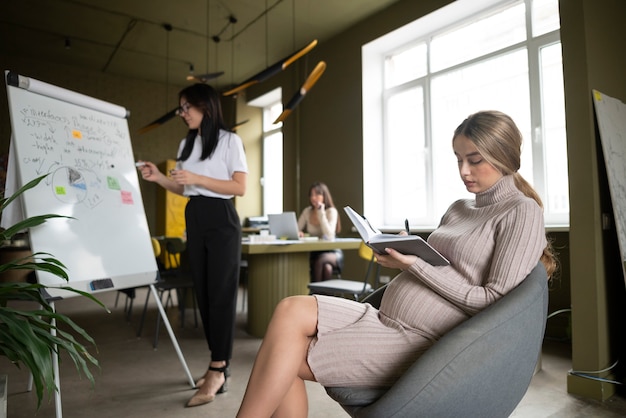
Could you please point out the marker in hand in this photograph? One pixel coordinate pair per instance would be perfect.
(139, 164)
(406, 226)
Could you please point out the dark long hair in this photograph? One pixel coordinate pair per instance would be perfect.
(204, 98)
(321, 188)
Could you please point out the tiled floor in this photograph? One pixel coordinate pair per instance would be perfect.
(136, 380)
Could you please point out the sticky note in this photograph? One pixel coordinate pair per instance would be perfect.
(127, 198)
(598, 95)
(113, 183)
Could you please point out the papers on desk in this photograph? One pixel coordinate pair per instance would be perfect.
(271, 240)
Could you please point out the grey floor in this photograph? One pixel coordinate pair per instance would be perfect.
(135, 380)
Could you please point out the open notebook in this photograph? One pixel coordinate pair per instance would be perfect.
(406, 244)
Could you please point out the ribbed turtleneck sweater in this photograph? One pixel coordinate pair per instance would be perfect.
(492, 242)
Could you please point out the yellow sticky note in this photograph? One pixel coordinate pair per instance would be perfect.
(77, 134)
(597, 95)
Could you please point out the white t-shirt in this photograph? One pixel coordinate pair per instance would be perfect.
(228, 157)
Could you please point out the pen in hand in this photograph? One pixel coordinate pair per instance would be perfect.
(406, 226)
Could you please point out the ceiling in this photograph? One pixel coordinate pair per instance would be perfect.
(129, 38)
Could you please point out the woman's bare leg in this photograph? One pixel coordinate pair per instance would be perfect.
(323, 266)
(277, 380)
(295, 404)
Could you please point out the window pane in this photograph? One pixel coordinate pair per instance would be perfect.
(554, 138)
(479, 66)
(273, 173)
(269, 116)
(502, 29)
(497, 84)
(404, 66)
(545, 16)
(404, 158)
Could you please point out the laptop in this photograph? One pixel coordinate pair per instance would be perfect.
(284, 225)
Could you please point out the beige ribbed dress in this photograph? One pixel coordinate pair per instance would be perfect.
(493, 242)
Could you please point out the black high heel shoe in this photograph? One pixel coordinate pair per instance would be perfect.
(200, 398)
(201, 381)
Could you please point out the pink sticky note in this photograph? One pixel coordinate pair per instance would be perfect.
(127, 198)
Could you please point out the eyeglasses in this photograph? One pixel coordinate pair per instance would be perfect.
(184, 108)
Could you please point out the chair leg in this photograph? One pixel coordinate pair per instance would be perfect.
(143, 315)
(129, 307)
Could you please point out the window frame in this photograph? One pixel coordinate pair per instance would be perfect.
(376, 96)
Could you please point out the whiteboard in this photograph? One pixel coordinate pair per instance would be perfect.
(84, 146)
(611, 117)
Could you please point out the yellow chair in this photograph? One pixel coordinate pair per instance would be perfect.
(156, 247)
(355, 288)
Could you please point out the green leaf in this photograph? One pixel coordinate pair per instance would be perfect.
(27, 186)
(30, 338)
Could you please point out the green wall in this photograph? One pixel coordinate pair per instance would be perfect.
(323, 141)
(593, 36)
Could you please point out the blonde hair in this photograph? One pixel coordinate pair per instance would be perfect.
(499, 141)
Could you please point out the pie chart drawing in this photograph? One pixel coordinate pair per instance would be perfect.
(71, 185)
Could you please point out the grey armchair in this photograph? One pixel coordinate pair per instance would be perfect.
(482, 368)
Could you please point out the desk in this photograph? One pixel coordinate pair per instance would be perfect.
(276, 271)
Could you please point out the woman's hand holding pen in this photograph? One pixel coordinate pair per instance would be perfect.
(148, 170)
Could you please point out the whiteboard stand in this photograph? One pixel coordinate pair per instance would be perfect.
(84, 145)
(172, 336)
(55, 360)
(55, 367)
(55, 357)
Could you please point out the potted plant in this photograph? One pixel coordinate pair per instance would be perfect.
(30, 338)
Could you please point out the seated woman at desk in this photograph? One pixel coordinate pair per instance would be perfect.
(321, 219)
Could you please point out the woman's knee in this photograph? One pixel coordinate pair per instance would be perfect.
(294, 304)
(298, 308)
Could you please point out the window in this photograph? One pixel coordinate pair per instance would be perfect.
(272, 178)
(422, 80)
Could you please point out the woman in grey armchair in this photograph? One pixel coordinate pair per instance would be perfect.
(492, 241)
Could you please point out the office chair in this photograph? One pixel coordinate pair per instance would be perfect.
(172, 278)
(481, 368)
(351, 287)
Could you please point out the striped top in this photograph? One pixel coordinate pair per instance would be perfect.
(493, 242)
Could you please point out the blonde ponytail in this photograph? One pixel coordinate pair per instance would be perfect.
(548, 258)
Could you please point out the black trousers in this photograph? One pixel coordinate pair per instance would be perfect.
(214, 248)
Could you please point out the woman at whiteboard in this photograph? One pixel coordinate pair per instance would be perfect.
(211, 169)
